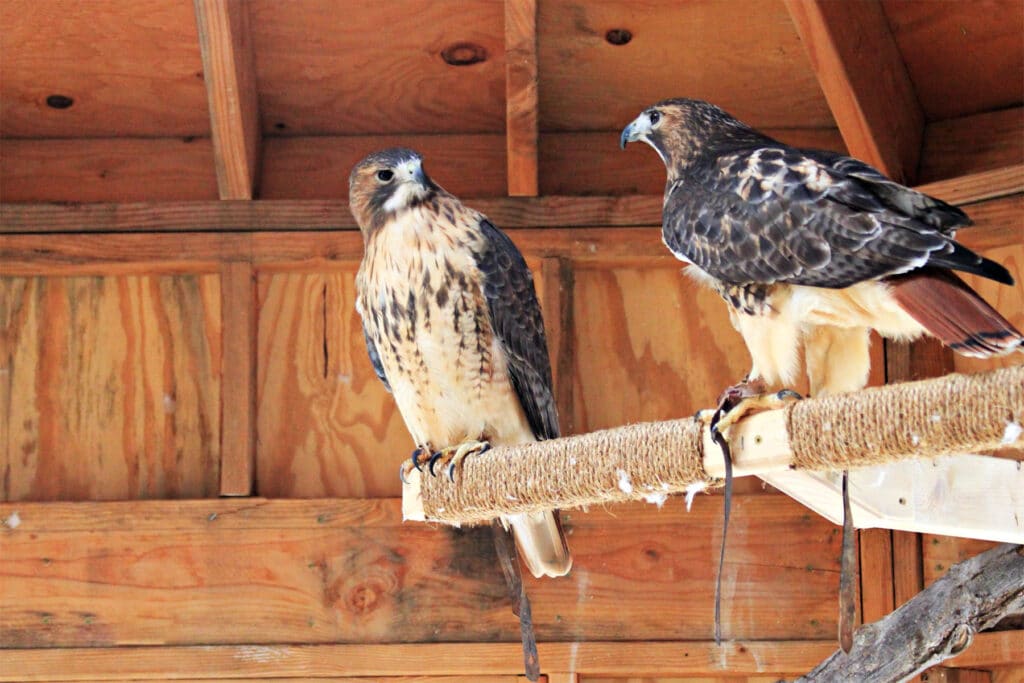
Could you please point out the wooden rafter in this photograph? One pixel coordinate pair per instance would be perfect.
(865, 81)
(521, 96)
(998, 194)
(225, 43)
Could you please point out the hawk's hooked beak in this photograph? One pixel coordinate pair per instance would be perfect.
(637, 130)
(412, 170)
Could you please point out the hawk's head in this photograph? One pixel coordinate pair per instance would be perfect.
(680, 130)
(386, 183)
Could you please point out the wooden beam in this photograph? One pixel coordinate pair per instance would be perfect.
(107, 170)
(994, 197)
(865, 81)
(226, 47)
(244, 570)
(441, 659)
(977, 187)
(469, 165)
(238, 381)
(927, 496)
(972, 144)
(592, 658)
(521, 104)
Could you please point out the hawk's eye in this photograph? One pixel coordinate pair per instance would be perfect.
(385, 176)
(654, 117)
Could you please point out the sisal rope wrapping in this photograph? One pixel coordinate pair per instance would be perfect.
(943, 416)
(646, 460)
(949, 415)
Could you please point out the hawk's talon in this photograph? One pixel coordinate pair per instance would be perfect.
(433, 460)
(414, 462)
(788, 395)
(452, 456)
(416, 454)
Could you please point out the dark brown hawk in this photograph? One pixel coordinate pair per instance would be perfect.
(814, 249)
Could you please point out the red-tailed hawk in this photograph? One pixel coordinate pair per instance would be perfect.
(453, 328)
(813, 249)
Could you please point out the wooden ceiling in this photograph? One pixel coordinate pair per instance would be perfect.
(111, 101)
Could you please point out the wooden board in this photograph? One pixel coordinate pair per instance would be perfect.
(107, 170)
(864, 80)
(964, 58)
(521, 106)
(592, 163)
(587, 83)
(226, 46)
(131, 67)
(997, 213)
(326, 425)
(318, 167)
(1007, 299)
(971, 144)
(384, 72)
(665, 658)
(265, 572)
(111, 387)
(939, 553)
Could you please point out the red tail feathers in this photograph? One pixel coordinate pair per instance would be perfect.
(954, 313)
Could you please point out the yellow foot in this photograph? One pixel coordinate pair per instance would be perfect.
(420, 457)
(742, 400)
(452, 456)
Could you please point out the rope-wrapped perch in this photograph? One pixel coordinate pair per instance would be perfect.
(944, 416)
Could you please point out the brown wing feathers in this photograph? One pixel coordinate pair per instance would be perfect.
(953, 312)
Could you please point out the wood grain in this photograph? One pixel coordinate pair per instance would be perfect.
(318, 167)
(384, 73)
(939, 553)
(326, 425)
(1007, 299)
(112, 387)
(131, 67)
(521, 105)
(590, 162)
(226, 47)
(325, 578)
(107, 170)
(865, 81)
(971, 144)
(666, 658)
(875, 574)
(759, 73)
(238, 380)
(981, 47)
(556, 289)
(650, 345)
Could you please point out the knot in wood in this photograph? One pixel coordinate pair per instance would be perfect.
(464, 54)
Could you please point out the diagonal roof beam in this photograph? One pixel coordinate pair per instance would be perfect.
(865, 81)
(521, 112)
(226, 47)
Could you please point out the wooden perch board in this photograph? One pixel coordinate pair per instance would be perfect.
(914, 420)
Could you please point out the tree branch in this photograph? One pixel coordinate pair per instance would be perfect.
(937, 624)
